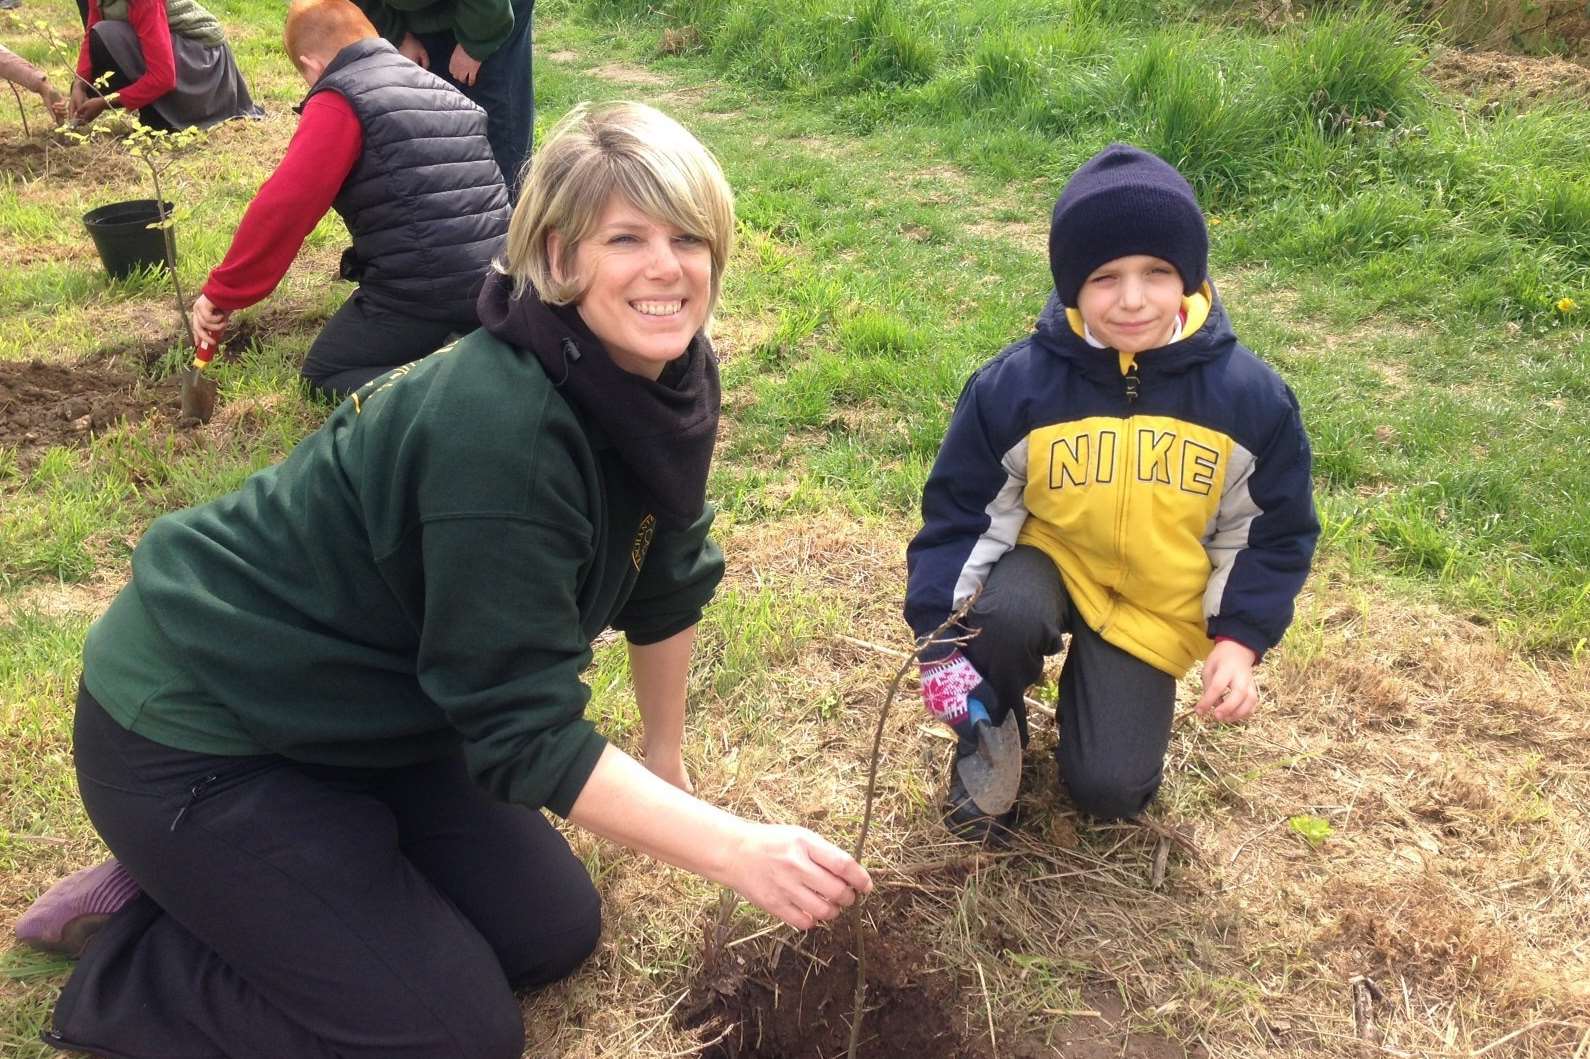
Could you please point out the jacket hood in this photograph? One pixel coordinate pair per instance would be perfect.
(664, 430)
(1214, 338)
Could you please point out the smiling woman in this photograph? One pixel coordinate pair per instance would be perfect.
(318, 728)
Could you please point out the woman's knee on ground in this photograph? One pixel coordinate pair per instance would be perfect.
(549, 952)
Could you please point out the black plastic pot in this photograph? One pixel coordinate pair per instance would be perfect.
(122, 235)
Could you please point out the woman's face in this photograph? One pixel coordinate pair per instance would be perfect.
(647, 286)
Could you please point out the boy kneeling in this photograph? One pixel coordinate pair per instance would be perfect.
(1129, 475)
(403, 157)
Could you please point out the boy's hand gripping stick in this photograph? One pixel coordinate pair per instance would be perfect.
(989, 756)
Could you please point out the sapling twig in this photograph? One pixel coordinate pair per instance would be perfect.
(936, 638)
(23, 112)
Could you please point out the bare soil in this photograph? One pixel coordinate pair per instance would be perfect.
(795, 1000)
(44, 405)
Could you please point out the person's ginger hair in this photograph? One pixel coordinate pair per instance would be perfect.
(322, 28)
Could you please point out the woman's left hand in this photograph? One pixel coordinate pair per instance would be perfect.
(89, 109)
(670, 765)
(463, 68)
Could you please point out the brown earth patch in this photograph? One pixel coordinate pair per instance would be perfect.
(45, 405)
(629, 74)
(795, 999)
(41, 157)
(1492, 75)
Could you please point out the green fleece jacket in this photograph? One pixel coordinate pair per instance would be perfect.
(480, 26)
(428, 569)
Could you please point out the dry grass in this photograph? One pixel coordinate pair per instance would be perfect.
(1453, 776)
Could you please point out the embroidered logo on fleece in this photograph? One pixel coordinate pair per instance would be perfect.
(643, 536)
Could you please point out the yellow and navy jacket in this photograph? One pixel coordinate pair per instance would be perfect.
(1172, 489)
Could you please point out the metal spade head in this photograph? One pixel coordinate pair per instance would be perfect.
(992, 774)
(198, 389)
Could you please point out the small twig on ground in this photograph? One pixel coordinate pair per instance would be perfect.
(1365, 993)
(988, 1006)
(933, 639)
(1156, 879)
(1170, 834)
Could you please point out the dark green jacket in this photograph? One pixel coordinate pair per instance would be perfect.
(479, 25)
(428, 568)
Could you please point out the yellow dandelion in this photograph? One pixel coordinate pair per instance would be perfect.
(1566, 305)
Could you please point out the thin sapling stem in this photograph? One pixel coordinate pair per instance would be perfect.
(933, 639)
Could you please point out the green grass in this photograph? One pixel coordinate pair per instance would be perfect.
(1408, 234)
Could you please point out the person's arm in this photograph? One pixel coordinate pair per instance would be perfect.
(148, 20)
(661, 674)
(973, 506)
(788, 871)
(288, 205)
(480, 27)
(1259, 552)
(85, 61)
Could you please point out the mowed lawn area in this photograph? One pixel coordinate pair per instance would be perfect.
(1401, 228)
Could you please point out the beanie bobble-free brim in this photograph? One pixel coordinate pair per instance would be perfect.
(1120, 202)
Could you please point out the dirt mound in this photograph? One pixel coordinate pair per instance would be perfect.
(43, 405)
(797, 1002)
(794, 1000)
(1490, 75)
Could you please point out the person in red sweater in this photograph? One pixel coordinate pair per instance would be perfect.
(167, 60)
(425, 205)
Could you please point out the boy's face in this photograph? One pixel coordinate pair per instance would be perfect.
(1131, 304)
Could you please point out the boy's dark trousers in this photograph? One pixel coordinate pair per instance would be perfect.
(304, 912)
(505, 89)
(363, 340)
(1115, 710)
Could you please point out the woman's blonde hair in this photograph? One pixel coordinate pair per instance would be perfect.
(593, 153)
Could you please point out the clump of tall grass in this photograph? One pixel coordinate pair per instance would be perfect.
(1196, 103)
(1344, 67)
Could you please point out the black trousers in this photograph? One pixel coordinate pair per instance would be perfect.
(363, 340)
(1115, 710)
(301, 911)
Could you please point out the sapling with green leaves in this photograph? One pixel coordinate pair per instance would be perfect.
(157, 150)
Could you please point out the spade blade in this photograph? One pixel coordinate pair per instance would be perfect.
(993, 774)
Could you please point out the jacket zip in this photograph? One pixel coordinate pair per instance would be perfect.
(1132, 382)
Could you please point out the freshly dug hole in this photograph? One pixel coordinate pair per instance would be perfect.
(796, 1003)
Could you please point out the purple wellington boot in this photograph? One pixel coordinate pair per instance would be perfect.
(73, 910)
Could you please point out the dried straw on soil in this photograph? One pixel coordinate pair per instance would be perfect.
(1452, 774)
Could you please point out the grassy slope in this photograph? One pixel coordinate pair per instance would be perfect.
(879, 262)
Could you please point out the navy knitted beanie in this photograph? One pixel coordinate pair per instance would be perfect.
(1125, 201)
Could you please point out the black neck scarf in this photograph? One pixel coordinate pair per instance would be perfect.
(664, 430)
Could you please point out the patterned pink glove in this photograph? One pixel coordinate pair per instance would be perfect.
(956, 693)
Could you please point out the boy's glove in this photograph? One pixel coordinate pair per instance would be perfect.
(956, 693)
(988, 755)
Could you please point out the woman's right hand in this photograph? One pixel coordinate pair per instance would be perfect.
(794, 874)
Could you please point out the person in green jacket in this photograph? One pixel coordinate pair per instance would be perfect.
(317, 728)
(483, 49)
